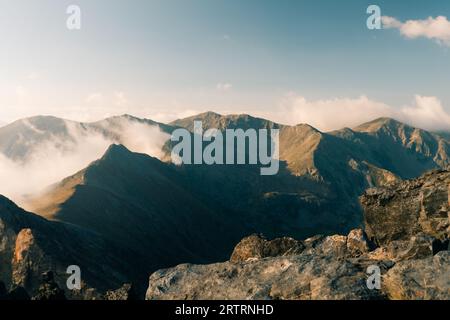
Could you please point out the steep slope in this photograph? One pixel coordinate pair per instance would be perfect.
(31, 245)
(404, 149)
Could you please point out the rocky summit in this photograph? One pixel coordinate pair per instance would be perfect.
(405, 238)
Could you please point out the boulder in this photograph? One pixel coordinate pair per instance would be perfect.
(357, 242)
(306, 277)
(413, 206)
(257, 247)
(420, 279)
(124, 293)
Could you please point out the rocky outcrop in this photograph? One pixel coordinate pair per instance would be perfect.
(125, 293)
(407, 227)
(257, 247)
(336, 268)
(316, 268)
(413, 206)
(420, 279)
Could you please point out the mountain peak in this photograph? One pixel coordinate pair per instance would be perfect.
(379, 123)
(209, 114)
(232, 121)
(116, 150)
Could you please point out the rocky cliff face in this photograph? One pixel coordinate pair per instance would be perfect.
(407, 235)
(400, 211)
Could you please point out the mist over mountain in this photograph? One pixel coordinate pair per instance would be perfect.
(39, 151)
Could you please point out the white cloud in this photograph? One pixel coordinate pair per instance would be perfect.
(224, 86)
(331, 114)
(437, 29)
(427, 112)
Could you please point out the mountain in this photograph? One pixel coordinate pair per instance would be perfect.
(409, 223)
(141, 203)
(335, 167)
(31, 246)
(383, 143)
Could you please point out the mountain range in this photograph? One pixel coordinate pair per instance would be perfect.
(150, 213)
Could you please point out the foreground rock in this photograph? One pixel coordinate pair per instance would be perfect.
(420, 279)
(317, 268)
(257, 247)
(407, 241)
(331, 268)
(401, 211)
(125, 293)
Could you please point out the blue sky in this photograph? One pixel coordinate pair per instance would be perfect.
(164, 59)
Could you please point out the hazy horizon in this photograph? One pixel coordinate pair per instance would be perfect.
(4, 124)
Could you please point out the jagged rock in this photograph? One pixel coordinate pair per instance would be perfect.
(413, 206)
(313, 244)
(28, 260)
(335, 245)
(357, 242)
(425, 279)
(328, 271)
(418, 247)
(317, 268)
(352, 245)
(257, 247)
(49, 290)
(293, 277)
(126, 292)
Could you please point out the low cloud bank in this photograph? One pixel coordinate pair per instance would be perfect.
(332, 114)
(56, 158)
